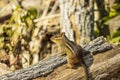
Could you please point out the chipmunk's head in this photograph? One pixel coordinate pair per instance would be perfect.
(58, 39)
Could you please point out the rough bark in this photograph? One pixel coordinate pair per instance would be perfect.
(46, 67)
(42, 68)
(77, 19)
(98, 45)
(107, 67)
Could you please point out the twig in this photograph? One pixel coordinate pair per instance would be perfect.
(54, 7)
(47, 17)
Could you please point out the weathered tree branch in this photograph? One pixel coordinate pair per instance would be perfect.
(98, 45)
(108, 67)
(105, 66)
(47, 66)
(42, 68)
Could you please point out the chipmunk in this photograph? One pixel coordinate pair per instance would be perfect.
(74, 51)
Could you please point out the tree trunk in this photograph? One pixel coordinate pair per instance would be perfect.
(77, 19)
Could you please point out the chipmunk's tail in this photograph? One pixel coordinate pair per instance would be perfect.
(86, 71)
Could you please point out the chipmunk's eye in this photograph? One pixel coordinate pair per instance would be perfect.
(57, 36)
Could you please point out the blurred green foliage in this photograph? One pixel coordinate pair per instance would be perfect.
(96, 33)
(113, 12)
(20, 24)
(31, 14)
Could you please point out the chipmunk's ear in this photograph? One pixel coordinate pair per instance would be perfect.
(63, 33)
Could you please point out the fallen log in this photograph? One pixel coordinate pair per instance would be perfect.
(102, 65)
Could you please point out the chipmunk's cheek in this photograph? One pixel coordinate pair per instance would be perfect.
(54, 40)
(51, 39)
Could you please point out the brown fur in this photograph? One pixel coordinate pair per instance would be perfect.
(74, 51)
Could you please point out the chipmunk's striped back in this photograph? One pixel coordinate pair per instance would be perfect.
(74, 52)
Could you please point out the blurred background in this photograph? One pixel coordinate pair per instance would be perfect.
(27, 25)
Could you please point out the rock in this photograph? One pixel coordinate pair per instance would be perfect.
(114, 24)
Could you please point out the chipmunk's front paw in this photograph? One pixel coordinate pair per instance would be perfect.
(69, 67)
